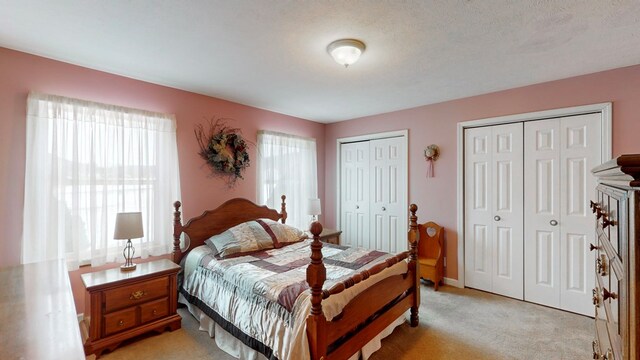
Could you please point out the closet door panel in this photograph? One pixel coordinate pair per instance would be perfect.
(478, 209)
(354, 193)
(387, 202)
(507, 205)
(542, 212)
(580, 152)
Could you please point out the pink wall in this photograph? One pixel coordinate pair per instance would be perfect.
(436, 124)
(21, 73)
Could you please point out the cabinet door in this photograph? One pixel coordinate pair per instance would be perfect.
(354, 193)
(387, 200)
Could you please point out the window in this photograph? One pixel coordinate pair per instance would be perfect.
(85, 163)
(287, 165)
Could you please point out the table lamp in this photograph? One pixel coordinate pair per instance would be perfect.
(128, 226)
(314, 209)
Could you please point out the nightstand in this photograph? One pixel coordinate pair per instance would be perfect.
(330, 236)
(121, 305)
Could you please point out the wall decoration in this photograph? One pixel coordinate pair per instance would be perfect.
(431, 154)
(224, 149)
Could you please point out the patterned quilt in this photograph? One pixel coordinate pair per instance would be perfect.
(261, 299)
(279, 275)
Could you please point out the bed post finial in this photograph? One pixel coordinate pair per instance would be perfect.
(177, 231)
(283, 208)
(316, 275)
(414, 237)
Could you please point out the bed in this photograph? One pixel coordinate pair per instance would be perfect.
(333, 317)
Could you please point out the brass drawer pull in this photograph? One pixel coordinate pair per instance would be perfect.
(154, 312)
(606, 222)
(137, 295)
(606, 294)
(120, 323)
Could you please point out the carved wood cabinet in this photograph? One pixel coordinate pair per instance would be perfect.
(121, 305)
(616, 213)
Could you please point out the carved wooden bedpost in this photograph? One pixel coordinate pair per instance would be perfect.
(177, 230)
(283, 208)
(414, 236)
(316, 275)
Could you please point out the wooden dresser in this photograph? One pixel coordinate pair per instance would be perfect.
(616, 292)
(121, 305)
(39, 319)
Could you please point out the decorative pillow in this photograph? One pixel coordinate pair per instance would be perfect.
(244, 238)
(251, 236)
(283, 234)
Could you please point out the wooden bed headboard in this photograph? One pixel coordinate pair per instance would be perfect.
(213, 222)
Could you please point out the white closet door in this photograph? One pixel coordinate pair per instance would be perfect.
(354, 193)
(580, 152)
(542, 212)
(478, 212)
(559, 154)
(387, 200)
(508, 209)
(493, 209)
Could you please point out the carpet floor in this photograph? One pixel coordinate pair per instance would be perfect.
(454, 324)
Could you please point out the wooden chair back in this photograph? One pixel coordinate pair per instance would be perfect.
(430, 246)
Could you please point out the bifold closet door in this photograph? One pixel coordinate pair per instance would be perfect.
(559, 154)
(354, 193)
(373, 202)
(494, 209)
(387, 201)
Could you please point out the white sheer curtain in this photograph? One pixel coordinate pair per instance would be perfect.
(287, 165)
(85, 163)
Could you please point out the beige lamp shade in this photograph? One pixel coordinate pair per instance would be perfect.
(128, 226)
(314, 207)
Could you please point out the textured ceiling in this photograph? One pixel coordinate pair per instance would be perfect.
(272, 54)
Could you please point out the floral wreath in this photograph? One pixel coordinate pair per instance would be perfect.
(224, 149)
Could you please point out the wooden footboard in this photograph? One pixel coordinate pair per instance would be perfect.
(369, 312)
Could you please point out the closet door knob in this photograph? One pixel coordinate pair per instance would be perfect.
(357, 206)
(384, 208)
(553, 222)
(496, 218)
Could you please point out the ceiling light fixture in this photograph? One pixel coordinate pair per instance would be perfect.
(346, 51)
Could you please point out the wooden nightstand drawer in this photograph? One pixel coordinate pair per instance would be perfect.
(154, 310)
(135, 294)
(120, 320)
(121, 305)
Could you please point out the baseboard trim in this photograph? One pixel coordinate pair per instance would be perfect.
(452, 282)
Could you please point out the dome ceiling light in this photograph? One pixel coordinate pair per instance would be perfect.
(346, 51)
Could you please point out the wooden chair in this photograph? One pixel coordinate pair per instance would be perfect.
(430, 252)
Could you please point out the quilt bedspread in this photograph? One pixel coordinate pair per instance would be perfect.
(264, 294)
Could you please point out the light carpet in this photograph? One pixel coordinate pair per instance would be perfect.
(455, 324)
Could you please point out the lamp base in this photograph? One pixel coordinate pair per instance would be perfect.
(128, 253)
(125, 267)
